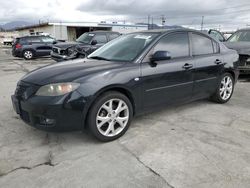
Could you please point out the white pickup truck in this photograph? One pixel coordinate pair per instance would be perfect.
(7, 41)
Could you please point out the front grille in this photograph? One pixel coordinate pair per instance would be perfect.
(59, 51)
(20, 90)
(24, 90)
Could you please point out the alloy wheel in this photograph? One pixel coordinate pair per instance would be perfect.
(112, 117)
(226, 88)
(28, 54)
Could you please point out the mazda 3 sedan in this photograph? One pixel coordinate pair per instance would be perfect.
(131, 75)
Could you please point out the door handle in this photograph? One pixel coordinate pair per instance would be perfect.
(187, 66)
(218, 62)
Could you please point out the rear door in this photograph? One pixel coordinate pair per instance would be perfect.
(46, 45)
(208, 65)
(169, 81)
(35, 43)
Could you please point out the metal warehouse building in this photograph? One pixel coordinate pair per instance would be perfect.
(70, 31)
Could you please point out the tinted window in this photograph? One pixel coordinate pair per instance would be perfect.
(113, 36)
(177, 44)
(100, 38)
(201, 45)
(216, 35)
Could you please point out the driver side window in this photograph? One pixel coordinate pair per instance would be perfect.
(101, 38)
(177, 44)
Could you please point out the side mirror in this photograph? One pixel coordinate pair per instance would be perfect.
(160, 56)
(54, 42)
(94, 42)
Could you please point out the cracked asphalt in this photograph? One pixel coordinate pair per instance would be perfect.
(201, 144)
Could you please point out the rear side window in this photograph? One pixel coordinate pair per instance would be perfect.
(113, 36)
(101, 38)
(177, 44)
(21, 40)
(216, 47)
(201, 45)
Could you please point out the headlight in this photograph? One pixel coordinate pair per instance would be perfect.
(71, 51)
(57, 89)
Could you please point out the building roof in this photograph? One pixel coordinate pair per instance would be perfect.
(80, 24)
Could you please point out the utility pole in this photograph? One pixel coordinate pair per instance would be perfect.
(202, 22)
(149, 22)
(152, 26)
(163, 20)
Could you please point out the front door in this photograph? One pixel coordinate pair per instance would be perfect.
(168, 81)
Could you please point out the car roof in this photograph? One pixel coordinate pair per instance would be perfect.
(165, 31)
(30, 36)
(244, 29)
(101, 31)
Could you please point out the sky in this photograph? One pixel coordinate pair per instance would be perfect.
(224, 14)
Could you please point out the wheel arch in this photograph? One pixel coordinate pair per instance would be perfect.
(29, 49)
(118, 88)
(232, 73)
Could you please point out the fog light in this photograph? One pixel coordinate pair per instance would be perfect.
(47, 121)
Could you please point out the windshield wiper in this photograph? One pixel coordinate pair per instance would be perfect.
(99, 58)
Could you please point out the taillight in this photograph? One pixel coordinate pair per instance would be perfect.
(18, 46)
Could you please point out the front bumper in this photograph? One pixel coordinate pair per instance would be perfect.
(57, 57)
(244, 64)
(244, 69)
(51, 113)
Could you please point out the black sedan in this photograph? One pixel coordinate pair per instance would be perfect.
(131, 75)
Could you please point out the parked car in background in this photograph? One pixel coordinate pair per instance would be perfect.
(8, 41)
(30, 47)
(83, 46)
(133, 74)
(240, 41)
(215, 34)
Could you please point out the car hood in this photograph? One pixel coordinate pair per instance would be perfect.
(240, 47)
(69, 71)
(65, 45)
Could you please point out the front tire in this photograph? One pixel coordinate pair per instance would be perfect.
(225, 89)
(110, 116)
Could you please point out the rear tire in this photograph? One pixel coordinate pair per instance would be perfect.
(28, 54)
(224, 90)
(110, 116)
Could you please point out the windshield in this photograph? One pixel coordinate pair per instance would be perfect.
(124, 48)
(85, 38)
(240, 36)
